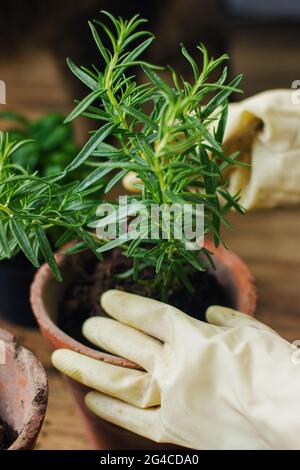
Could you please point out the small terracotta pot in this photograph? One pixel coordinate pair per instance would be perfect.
(46, 294)
(23, 392)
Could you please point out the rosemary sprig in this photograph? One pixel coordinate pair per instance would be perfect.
(170, 135)
(31, 205)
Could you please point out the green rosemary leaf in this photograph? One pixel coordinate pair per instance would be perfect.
(233, 200)
(115, 179)
(91, 145)
(76, 248)
(4, 240)
(159, 82)
(107, 151)
(132, 56)
(135, 36)
(191, 61)
(93, 177)
(219, 134)
(65, 238)
(115, 22)
(184, 279)
(220, 98)
(113, 244)
(83, 76)
(46, 250)
(145, 148)
(109, 34)
(90, 241)
(83, 105)
(140, 116)
(22, 239)
(99, 43)
(193, 259)
(160, 261)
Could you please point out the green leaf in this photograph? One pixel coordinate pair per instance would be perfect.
(93, 177)
(216, 221)
(115, 22)
(219, 135)
(132, 56)
(22, 239)
(191, 61)
(113, 244)
(91, 145)
(90, 242)
(145, 148)
(115, 179)
(140, 116)
(46, 250)
(4, 240)
(135, 36)
(83, 105)
(184, 279)
(233, 200)
(160, 261)
(106, 150)
(83, 76)
(159, 82)
(193, 259)
(99, 43)
(74, 249)
(65, 238)
(219, 99)
(109, 34)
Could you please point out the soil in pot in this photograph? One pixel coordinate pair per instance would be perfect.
(7, 435)
(81, 299)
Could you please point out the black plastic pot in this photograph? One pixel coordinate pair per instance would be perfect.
(16, 276)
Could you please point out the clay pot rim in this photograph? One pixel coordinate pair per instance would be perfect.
(38, 408)
(40, 279)
(239, 271)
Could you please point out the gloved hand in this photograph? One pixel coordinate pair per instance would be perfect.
(227, 384)
(265, 130)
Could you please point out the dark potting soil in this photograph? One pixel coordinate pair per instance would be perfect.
(7, 435)
(81, 299)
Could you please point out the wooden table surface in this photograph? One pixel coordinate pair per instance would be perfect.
(268, 241)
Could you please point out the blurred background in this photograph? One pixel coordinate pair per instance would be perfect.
(262, 38)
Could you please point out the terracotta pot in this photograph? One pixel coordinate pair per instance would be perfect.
(23, 392)
(46, 294)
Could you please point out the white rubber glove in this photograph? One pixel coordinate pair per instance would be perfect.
(227, 385)
(266, 130)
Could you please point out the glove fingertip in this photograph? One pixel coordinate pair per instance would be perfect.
(89, 326)
(212, 314)
(64, 360)
(98, 402)
(109, 298)
(221, 316)
(58, 356)
(89, 399)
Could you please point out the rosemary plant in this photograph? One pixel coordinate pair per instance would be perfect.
(168, 132)
(31, 205)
